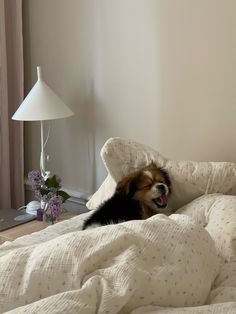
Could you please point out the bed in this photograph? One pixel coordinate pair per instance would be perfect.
(182, 263)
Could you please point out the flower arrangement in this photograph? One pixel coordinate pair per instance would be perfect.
(48, 192)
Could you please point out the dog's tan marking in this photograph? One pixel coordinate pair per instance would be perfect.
(148, 173)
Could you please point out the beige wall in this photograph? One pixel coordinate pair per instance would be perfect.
(162, 72)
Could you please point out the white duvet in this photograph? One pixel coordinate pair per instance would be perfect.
(160, 265)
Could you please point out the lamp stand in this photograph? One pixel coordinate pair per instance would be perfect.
(41, 104)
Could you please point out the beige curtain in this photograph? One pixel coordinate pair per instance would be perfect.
(11, 95)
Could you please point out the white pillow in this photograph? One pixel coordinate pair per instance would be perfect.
(216, 212)
(190, 179)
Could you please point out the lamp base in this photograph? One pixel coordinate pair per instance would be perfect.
(32, 207)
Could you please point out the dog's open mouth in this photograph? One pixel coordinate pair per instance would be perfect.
(161, 201)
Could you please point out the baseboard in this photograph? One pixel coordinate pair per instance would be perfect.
(77, 202)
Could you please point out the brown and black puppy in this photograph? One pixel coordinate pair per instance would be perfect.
(138, 196)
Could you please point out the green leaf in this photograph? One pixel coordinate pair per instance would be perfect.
(43, 192)
(64, 195)
(52, 182)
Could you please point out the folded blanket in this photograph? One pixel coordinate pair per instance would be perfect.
(164, 261)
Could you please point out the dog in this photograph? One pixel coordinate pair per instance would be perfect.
(139, 195)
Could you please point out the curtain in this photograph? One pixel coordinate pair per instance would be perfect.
(11, 95)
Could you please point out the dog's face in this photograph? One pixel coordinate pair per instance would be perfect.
(150, 186)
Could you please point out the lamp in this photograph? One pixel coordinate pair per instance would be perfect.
(41, 104)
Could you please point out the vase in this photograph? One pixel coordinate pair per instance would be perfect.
(47, 214)
(43, 205)
(48, 217)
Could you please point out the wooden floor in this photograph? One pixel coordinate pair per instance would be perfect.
(28, 228)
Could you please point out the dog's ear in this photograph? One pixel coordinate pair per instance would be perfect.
(128, 186)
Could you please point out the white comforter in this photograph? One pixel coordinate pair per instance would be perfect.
(161, 265)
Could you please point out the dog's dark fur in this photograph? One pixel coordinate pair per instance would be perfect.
(138, 196)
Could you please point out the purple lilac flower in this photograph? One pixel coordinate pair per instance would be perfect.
(47, 197)
(38, 195)
(55, 205)
(35, 179)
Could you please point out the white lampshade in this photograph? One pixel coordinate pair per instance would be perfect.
(41, 104)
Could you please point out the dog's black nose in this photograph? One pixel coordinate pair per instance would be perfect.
(161, 188)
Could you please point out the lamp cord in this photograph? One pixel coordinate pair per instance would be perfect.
(44, 173)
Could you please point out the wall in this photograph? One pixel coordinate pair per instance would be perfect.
(58, 36)
(162, 72)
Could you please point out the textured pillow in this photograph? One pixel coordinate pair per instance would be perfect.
(190, 179)
(217, 213)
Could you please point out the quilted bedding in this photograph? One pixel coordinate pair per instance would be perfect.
(185, 263)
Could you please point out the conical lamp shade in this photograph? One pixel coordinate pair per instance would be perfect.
(41, 104)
